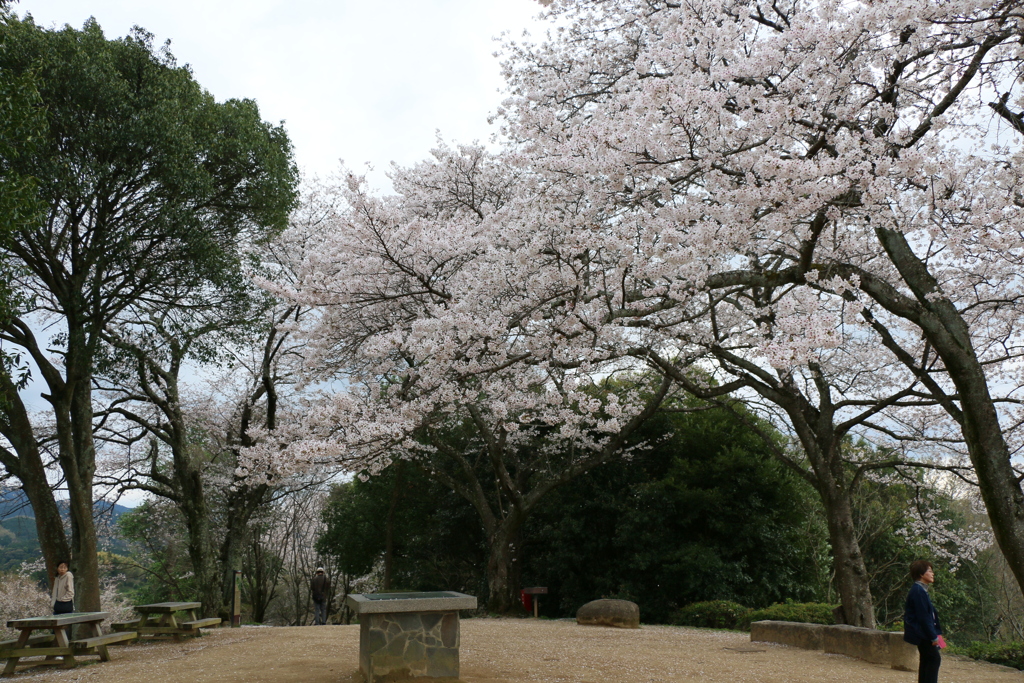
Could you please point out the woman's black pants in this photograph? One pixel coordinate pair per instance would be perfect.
(928, 669)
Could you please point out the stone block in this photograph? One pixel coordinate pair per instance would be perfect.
(878, 647)
(409, 635)
(449, 631)
(399, 646)
(794, 634)
(617, 613)
(902, 655)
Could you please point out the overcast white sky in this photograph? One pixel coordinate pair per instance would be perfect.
(363, 81)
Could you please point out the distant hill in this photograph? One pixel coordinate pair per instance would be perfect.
(19, 541)
(15, 503)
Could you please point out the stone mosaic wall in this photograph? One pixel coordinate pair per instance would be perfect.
(395, 646)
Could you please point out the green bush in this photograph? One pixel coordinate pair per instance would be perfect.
(711, 614)
(806, 612)
(1007, 654)
(896, 626)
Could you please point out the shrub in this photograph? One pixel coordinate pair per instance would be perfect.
(1007, 654)
(806, 612)
(712, 614)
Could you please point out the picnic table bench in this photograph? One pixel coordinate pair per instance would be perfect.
(56, 644)
(159, 621)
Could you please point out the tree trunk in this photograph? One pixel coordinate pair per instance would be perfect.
(230, 559)
(53, 541)
(389, 528)
(27, 465)
(502, 591)
(947, 331)
(78, 461)
(242, 503)
(84, 558)
(191, 500)
(70, 396)
(204, 565)
(851, 574)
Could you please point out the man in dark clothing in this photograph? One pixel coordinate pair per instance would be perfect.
(921, 624)
(321, 589)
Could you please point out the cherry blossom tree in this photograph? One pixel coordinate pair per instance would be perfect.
(801, 197)
(444, 350)
(857, 155)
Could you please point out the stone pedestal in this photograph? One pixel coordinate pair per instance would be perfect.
(409, 635)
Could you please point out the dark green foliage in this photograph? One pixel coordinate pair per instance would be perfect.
(22, 126)
(157, 181)
(704, 514)
(711, 614)
(805, 612)
(19, 540)
(1005, 653)
(437, 541)
(18, 543)
(966, 602)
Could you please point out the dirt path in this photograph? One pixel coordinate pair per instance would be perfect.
(502, 651)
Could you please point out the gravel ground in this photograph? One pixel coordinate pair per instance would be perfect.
(502, 651)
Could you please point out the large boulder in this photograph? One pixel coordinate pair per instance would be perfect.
(617, 613)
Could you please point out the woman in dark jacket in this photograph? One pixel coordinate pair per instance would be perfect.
(921, 624)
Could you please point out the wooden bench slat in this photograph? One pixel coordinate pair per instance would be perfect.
(37, 651)
(105, 639)
(32, 640)
(202, 623)
(124, 625)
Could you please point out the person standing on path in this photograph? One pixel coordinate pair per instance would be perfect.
(63, 590)
(321, 589)
(921, 624)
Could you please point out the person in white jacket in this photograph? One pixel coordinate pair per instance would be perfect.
(63, 590)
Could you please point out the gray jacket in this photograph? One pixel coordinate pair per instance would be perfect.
(63, 587)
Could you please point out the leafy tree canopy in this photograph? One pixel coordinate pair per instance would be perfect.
(149, 183)
(705, 513)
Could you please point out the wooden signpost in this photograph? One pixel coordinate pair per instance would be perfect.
(534, 592)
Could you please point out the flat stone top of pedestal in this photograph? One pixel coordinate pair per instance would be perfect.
(436, 601)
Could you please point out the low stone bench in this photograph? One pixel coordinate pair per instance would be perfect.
(878, 647)
(792, 633)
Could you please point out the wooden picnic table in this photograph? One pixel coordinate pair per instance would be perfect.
(159, 620)
(56, 644)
